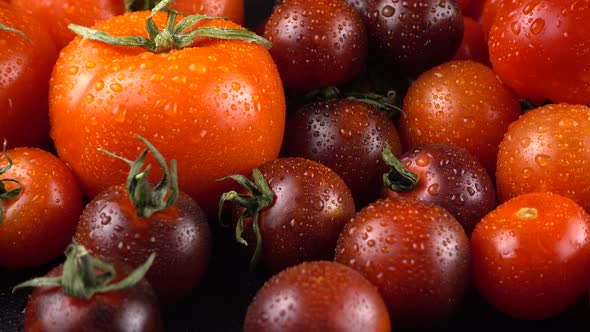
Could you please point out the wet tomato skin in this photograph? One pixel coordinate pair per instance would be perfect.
(180, 237)
(547, 150)
(452, 178)
(310, 207)
(39, 223)
(415, 35)
(25, 69)
(474, 45)
(347, 136)
(317, 296)
(231, 9)
(531, 255)
(131, 309)
(415, 252)
(316, 43)
(461, 103)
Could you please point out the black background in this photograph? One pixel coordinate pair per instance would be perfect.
(221, 300)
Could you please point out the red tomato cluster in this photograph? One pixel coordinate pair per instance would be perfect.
(356, 165)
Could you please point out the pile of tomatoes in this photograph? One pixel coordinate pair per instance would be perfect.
(333, 165)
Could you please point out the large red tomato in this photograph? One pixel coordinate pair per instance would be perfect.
(217, 107)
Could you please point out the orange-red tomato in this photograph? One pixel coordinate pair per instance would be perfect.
(461, 103)
(217, 107)
(24, 75)
(474, 45)
(56, 15)
(231, 9)
(547, 149)
(39, 223)
(531, 255)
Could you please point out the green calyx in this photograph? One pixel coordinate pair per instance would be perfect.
(84, 275)
(4, 192)
(384, 103)
(145, 199)
(7, 28)
(260, 198)
(398, 179)
(172, 36)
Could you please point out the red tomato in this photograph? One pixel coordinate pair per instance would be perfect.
(25, 68)
(547, 150)
(474, 9)
(539, 49)
(461, 103)
(531, 255)
(490, 9)
(474, 45)
(217, 107)
(39, 223)
(231, 9)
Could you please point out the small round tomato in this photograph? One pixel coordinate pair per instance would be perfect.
(448, 176)
(317, 296)
(38, 224)
(306, 205)
(25, 68)
(55, 306)
(56, 15)
(415, 252)
(348, 137)
(474, 45)
(216, 106)
(316, 43)
(414, 35)
(539, 49)
(490, 9)
(531, 255)
(461, 103)
(547, 150)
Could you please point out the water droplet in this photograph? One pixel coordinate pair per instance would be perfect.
(371, 243)
(525, 142)
(422, 161)
(526, 173)
(388, 11)
(73, 70)
(537, 25)
(542, 160)
(116, 87)
(433, 189)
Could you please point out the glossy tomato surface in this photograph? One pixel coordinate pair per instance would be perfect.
(216, 107)
(531, 255)
(231, 9)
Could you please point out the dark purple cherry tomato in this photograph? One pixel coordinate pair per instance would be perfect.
(317, 296)
(316, 43)
(113, 225)
(414, 35)
(307, 205)
(450, 177)
(347, 136)
(415, 252)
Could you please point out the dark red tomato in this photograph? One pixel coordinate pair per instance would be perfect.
(474, 45)
(347, 136)
(133, 309)
(414, 35)
(415, 252)
(452, 178)
(539, 49)
(474, 9)
(531, 255)
(310, 205)
(180, 235)
(39, 223)
(56, 15)
(317, 296)
(25, 68)
(461, 103)
(464, 3)
(316, 43)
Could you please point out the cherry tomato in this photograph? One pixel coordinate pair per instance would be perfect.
(546, 150)
(317, 296)
(415, 252)
(39, 223)
(474, 9)
(414, 35)
(316, 43)
(348, 137)
(307, 205)
(217, 107)
(25, 68)
(490, 9)
(231, 9)
(461, 103)
(56, 15)
(132, 308)
(474, 45)
(450, 177)
(538, 48)
(531, 255)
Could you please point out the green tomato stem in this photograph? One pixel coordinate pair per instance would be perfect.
(398, 179)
